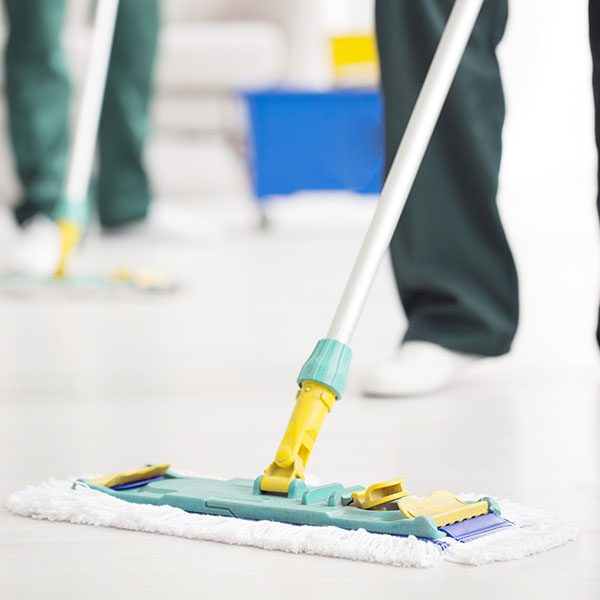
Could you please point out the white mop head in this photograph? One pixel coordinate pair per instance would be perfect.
(54, 500)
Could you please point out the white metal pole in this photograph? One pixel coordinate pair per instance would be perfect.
(405, 166)
(82, 153)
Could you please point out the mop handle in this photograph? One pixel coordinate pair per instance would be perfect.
(405, 166)
(82, 154)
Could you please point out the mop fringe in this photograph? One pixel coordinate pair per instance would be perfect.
(54, 500)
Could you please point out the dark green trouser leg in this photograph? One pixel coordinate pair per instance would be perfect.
(594, 15)
(37, 90)
(453, 266)
(123, 191)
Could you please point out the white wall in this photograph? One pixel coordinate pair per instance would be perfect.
(344, 16)
(548, 174)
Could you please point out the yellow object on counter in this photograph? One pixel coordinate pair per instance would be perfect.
(355, 59)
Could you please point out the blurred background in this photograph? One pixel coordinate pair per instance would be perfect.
(219, 61)
(210, 54)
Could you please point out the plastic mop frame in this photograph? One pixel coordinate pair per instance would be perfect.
(267, 507)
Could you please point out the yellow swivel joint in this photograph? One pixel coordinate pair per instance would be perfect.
(313, 402)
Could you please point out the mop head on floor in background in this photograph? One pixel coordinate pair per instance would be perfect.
(121, 280)
(530, 532)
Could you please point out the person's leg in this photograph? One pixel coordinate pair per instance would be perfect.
(37, 92)
(594, 16)
(454, 269)
(123, 190)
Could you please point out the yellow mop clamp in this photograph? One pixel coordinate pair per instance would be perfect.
(119, 479)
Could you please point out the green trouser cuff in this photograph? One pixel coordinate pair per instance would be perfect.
(328, 364)
(467, 340)
(27, 210)
(123, 211)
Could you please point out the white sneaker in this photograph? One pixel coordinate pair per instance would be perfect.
(168, 223)
(417, 369)
(36, 250)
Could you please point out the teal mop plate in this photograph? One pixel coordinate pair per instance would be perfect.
(22, 285)
(325, 505)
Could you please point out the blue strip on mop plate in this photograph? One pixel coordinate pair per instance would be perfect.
(472, 529)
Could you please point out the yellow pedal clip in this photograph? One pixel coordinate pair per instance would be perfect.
(443, 507)
(379, 495)
(148, 472)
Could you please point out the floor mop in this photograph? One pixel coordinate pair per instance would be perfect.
(71, 212)
(278, 510)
